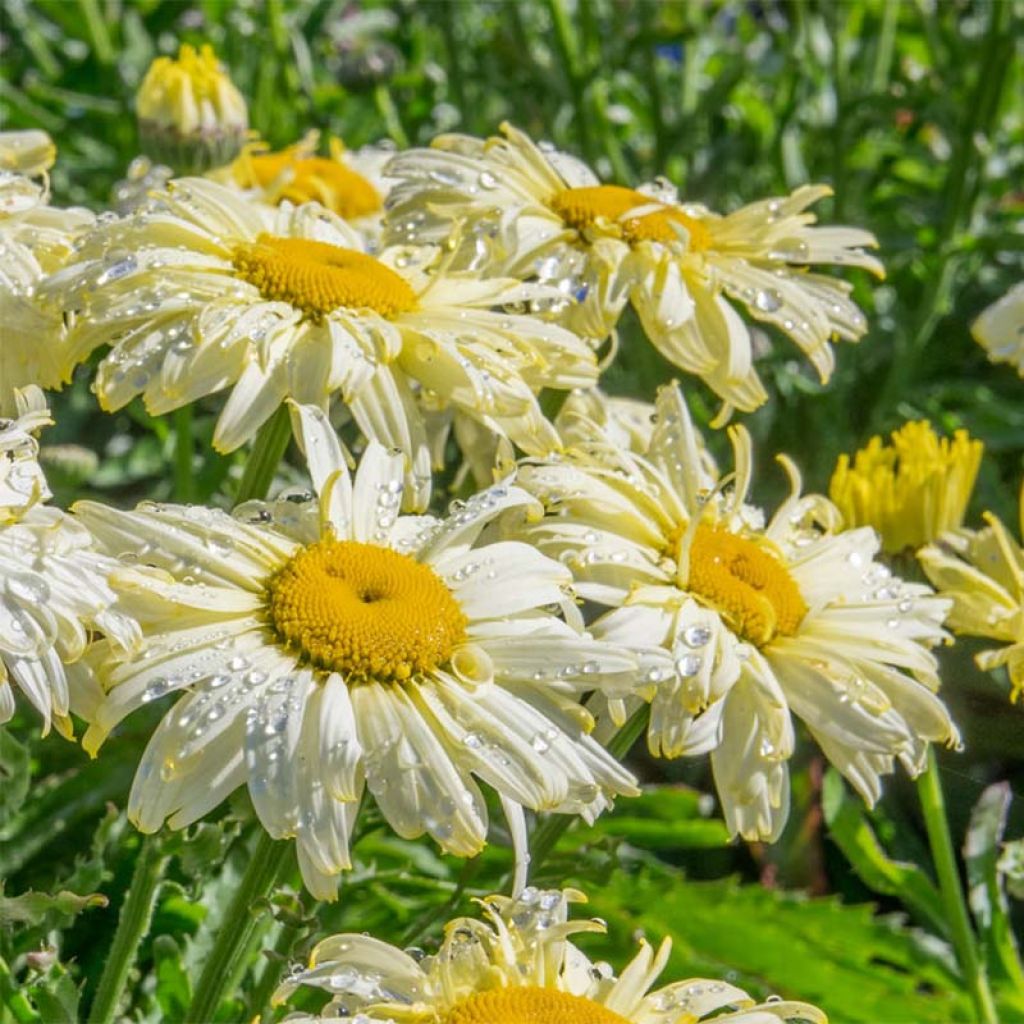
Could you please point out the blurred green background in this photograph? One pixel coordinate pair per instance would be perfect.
(911, 110)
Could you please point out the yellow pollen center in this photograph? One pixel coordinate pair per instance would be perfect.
(530, 1005)
(364, 611)
(749, 587)
(318, 277)
(314, 179)
(581, 208)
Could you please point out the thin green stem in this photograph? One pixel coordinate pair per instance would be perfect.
(959, 199)
(933, 806)
(546, 835)
(132, 926)
(885, 46)
(228, 958)
(101, 45)
(267, 452)
(569, 56)
(388, 110)
(183, 476)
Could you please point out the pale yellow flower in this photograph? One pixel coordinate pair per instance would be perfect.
(983, 572)
(24, 157)
(53, 581)
(318, 648)
(743, 623)
(347, 183)
(517, 208)
(205, 290)
(518, 966)
(190, 113)
(1000, 329)
(910, 491)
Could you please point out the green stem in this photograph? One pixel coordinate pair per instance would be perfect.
(228, 958)
(885, 46)
(101, 44)
(271, 976)
(933, 805)
(267, 451)
(570, 60)
(546, 835)
(388, 110)
(958, 202)
(132, 926)
(183, 454)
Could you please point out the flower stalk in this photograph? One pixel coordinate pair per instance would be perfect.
(132, 927)
(933, 805)
(267, 451)
(231, 951)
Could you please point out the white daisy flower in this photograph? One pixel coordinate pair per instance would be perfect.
(322, 646)
(756, 621)
(529, 211)
(519, 967)
(53, 588)
(205, 290)
(999, 330)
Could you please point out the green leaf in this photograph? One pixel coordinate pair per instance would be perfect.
(32, 907)
(56, 997)
(661, 818)
(851, 832)
(173, 989)
(986, 895)
(859, 968)
(15, 774)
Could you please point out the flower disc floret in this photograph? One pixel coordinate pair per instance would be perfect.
(530, 1005)
(315, 179)
(583, 207)
(752, 590)
(318, 278)
(364, 611)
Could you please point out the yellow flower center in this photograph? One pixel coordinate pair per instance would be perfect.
(318, 277)
(311, 179)
(364, 611)
(750, 588)
(530, 1006)
(581, 208)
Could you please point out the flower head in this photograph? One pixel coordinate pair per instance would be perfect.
(190, 113)
(518, 966)
(207, 290)
(982, 571)
(751, 621)
(535, 213)
(342, 182)
(912, 490)
(320, 647)
(1000, 329)
(53, 587)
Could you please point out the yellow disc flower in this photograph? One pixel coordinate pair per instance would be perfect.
(982, 571)
(318, 648)
(1000, 329)
(527, 210)
(190, 113)
(346, 183)
(742, 623)
(518, 966)
(912, 490)
(205, 290)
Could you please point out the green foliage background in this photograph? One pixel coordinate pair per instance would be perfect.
(912, 111)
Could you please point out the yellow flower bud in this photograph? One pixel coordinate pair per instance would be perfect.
(190, 114)
(911, 490)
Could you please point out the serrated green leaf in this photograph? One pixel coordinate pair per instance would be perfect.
(56, 996)
(32, 907)
(859, 968)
